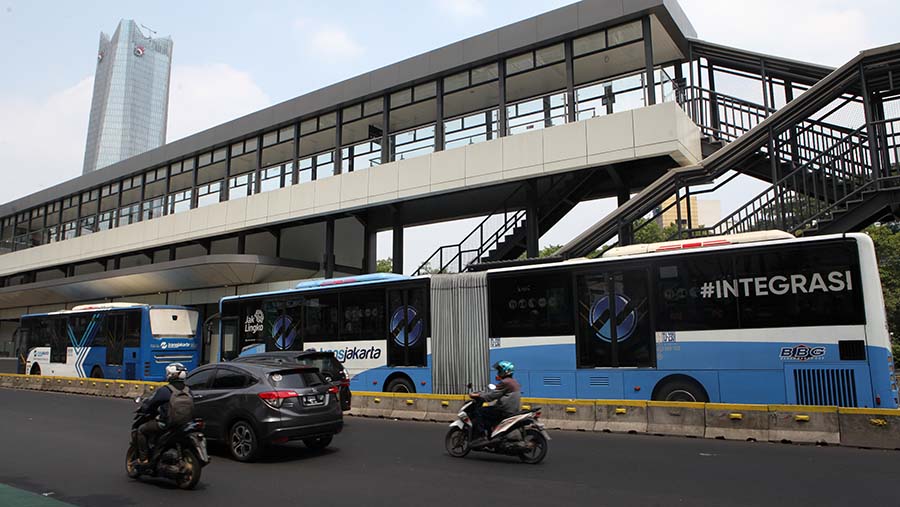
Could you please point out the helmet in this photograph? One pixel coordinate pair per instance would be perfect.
(175, 372)
(504, 368)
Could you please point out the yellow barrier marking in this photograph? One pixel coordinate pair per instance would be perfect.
(801, 418)
(526, 407)
(877, 422)
(736, 416)
(571, 410)
(884, 412)
(445, 403)
(410, 402)
(377, 400)
(621, 410)
(802, 408)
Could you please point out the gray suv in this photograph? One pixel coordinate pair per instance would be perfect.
(250, 405)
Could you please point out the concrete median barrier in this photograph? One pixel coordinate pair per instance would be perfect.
(804, 424)
(376, 404)
(620, 416)
(410, 407)
(686, 419)
(737, 422)
(443, 408)
(564, 414)
(870, 427)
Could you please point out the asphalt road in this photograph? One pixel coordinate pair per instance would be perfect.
(74, 446)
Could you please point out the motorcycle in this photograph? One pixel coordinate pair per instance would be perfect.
(178, 454)
(521, 435)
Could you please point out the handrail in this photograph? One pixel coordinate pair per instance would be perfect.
(730, 156)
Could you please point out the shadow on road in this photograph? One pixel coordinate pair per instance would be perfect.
(275, 454)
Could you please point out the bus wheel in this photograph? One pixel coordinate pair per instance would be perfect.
(681, 389)
(35, 369)
(400, 385)
(96, 372)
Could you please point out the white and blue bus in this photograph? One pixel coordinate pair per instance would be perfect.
(748, 318)
(125, 341)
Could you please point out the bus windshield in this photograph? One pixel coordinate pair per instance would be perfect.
(173, 322)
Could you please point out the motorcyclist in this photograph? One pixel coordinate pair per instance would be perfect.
(158, 406)
(507, 394)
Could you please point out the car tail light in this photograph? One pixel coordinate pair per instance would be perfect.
(275, 398)
(333, 390)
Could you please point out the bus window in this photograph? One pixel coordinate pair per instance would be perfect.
(56, 336)
(680, 304)
(320, 318)
(530, 305)
(132, 330)
(362, 315)
(614, 320)
(812, 286)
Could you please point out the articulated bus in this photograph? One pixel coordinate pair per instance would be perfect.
(125, 341)
(748, 318)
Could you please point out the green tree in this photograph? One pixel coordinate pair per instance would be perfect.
(384, 265)
(887, 247)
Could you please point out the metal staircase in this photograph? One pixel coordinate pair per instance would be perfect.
(826, 174)
(502, 235)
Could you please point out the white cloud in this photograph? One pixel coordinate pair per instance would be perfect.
(462, 8)
(203, 96)
(42, 142)
(326, 41)
(821, 31)
(44, 145)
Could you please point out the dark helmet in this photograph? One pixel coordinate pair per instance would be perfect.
(504, 368)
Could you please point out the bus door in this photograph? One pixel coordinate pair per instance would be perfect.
(407, 327)
(614, 328)
(211, 344)
(228, 339)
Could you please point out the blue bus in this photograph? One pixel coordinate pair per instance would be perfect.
(749, 318)
(125, 341)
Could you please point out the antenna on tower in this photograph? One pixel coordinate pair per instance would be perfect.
(152, 31)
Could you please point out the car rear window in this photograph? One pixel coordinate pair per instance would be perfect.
(325, 364)
(295, 379)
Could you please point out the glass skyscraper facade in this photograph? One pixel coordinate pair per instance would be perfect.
(130, 104)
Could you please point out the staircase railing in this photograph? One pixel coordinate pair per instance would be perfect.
(493, 228)
(791, 202)
(771, 138)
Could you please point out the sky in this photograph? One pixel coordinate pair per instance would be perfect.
(233, 58)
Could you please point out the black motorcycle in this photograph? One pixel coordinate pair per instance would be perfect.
(178, 453)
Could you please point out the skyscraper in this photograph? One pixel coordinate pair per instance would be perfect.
(130, 104)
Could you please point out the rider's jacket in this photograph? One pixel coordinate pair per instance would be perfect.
(508, 395)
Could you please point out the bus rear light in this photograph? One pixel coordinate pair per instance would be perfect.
(693, 244)
(878, 399)
(274, 399)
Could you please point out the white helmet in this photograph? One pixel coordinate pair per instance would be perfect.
(175, 371)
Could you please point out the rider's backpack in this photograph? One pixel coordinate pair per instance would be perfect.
(181, 406)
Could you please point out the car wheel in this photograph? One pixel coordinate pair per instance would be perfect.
(318, 443)
(242, 441)
(400, 385)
